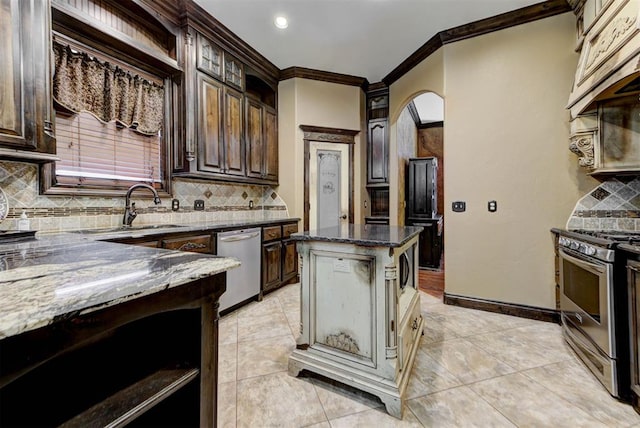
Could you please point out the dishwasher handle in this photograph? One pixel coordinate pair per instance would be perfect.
(243, 237)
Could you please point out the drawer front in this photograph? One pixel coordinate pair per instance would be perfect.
(271, 233)
(288, 229)
(194, 244)
(408, 335)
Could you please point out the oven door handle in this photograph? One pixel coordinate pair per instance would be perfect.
(591, 267)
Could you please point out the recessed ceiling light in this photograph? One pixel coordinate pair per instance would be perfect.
(281, 22)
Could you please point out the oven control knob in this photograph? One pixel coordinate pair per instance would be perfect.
(574, 245)
(590, 251)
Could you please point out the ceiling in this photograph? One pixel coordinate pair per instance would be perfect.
(363, 38)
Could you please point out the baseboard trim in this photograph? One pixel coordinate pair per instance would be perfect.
(522, 311)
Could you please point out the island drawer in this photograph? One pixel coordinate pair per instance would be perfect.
(271, 233)
(409, 333)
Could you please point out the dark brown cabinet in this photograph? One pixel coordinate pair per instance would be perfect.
(422, 188)
(231, 118)
(233, 132)
(377, 152)
(272, 256)
(219, 128)
(633, 275)
(261, 141)
(421, 210)
(25, 98)
(279, 256)
(209, 129)
(430, 242)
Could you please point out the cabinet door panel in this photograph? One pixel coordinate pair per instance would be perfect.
(289, 260)
(271, 144)
(233, 144)
(378, 152)
(210, 125)
(271, 255)
(25, 103)
(254, 139)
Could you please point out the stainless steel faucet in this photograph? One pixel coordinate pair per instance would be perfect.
(130, 207)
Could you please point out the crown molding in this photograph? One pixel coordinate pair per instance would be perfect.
(324, 76)
(477, 28)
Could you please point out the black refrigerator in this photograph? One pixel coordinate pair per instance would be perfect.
(422, 209)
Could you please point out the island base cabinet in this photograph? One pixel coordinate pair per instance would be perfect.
(152, 362)
(360, 327)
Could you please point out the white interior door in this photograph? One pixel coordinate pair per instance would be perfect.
(328, 185)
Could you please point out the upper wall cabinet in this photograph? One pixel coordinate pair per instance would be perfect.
(26, 130)
(230, 117)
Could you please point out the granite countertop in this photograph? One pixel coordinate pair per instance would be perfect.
(48, 278)
(367, 235)
(136, 231)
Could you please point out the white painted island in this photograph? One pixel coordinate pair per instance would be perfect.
(360, 309)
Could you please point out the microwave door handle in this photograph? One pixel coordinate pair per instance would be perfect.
(591, 267)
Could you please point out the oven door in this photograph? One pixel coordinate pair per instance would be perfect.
(585, 300)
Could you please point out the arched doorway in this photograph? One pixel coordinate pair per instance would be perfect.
(420, 154)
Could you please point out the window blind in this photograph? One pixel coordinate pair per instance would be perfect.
(92, 151)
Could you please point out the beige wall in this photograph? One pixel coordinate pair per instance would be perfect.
(506, 139)
(428, 76)
(315, 103)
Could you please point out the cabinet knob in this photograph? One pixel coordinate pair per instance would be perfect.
(343, 216)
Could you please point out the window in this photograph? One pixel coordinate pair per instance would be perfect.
(114, 99)
(93, 152)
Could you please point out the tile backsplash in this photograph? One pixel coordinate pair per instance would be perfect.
(19, 181)
(613, 205)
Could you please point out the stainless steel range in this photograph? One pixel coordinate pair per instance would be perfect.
(593, 303)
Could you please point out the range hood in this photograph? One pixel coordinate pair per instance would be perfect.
(610, 54)
(604, 98)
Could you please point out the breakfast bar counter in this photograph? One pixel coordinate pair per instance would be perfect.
(94, 332)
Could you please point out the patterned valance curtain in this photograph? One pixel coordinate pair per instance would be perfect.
(84, 83)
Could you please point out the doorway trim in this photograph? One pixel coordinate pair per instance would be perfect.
(326, 135)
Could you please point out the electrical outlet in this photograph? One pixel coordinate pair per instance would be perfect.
(175, 205)
(198, 205)
(458, 206)
(492, 206)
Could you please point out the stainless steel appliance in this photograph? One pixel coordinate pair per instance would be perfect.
(593, 299)
(243, 283)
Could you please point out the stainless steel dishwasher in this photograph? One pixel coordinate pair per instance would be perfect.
(243, 282)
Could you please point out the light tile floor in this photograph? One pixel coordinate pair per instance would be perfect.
(473, 368)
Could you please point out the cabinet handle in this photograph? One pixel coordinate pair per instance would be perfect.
(414, 326)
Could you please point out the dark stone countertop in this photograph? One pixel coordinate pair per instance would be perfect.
(50, 278)
(366, 235)
(142, 231)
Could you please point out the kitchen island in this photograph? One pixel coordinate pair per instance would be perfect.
(360, 309)
(93, 333)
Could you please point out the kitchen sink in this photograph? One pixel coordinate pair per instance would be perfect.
(127, 228)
